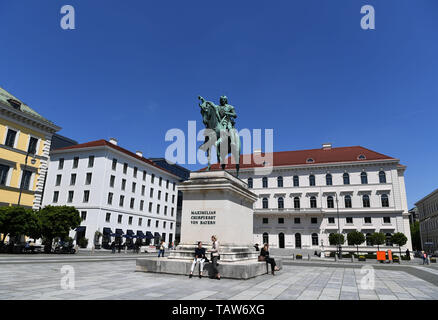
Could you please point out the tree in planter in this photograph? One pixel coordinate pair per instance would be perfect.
(18, 221)
(57, 221)
(355, 238)
(399, 239)
(97, 236)
(336, 239)
(377, 239)
(83, 242)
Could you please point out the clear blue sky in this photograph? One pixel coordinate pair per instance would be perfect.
(133, 69)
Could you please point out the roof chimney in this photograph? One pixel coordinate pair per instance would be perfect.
(139, 153)
(326, 146)
(113, 141)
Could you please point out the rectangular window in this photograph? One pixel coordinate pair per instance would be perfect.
(108, 217)
(114, 165)
(32, 145)
(58, 180)
(83, 215)
(159, 194)
(166, 197)
(149, 222)
(90, 161)
(125, 168)
(171, 225)
(171, 211)
(140, 221)
(297, 220)
(133, 187)
(10, 138)
(4, 170)
(367, 219)
(73, 179)
(141, 205)
(165, 210)
(174, 184)
(70, 196)
(151, 193)
(55, 196)
(135, 172)
(75, 162)
(150, 207)
(386, 219)
(110, 198)
(143, 189)
(130, 220)
(265, 220)
(122, 199)
(123, 184)
(313, 220)
(25, 179)
(152, 178)
(164, 224)
(173, 198)
(349, 220)
(86, 195)
(61, 164)
(156, 223)
(112, 181)
(88, 178)
(331, 220)
(281, 220)
(158, 209)
(131, 204)
(119, 218)
(167, 184)
(144, 175)
(160, 181)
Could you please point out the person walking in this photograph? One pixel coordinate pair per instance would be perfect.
(264, 256)
(424, 256)
(214, 251)
(161, 249)
(199, 258)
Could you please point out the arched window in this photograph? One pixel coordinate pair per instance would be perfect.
(330, 202)
(346, 177)
(363, 178)
(280, 182)
(366, 201)
(296, 203)
(250, 183)
(313, 202)
(265, 182)
(385, 200)
(265, 203)
(388, 241)
(328, 179)
(296, 181)
(280, 203)
(314, 239)
(368, 239)
(382, 177)
(347, 200)
(312, 180)
(265, 238)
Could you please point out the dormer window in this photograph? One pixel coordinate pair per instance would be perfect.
(15, 103)
(310, 160)
(361, 157)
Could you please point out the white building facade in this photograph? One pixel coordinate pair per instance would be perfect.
(309, 194)
(116, 192)
(428, 217)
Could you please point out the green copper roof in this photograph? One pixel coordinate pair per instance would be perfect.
(6, 96)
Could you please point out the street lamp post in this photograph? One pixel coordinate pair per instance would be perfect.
(339, 228)
(24, 169)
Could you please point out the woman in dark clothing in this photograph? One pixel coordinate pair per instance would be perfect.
(264, 254)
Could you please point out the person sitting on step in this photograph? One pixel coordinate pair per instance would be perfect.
(199, 258)
(264, 256)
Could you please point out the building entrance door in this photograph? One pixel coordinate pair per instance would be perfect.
(298, 240)
(281, 240)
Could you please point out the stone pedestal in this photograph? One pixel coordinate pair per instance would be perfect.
(214, 203)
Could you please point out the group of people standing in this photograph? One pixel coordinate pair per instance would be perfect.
(201, 258)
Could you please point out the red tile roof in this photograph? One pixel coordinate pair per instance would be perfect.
(319, 156)
(102, 142)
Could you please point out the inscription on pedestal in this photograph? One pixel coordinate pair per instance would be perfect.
(203, 217)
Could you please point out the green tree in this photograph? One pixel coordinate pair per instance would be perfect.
(336, 239)
(355, 238)
(17, 221)
(57, 221)
(399, 239)
(415, 235)
(377, 239)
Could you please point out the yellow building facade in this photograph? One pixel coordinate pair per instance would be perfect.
(25, 138)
